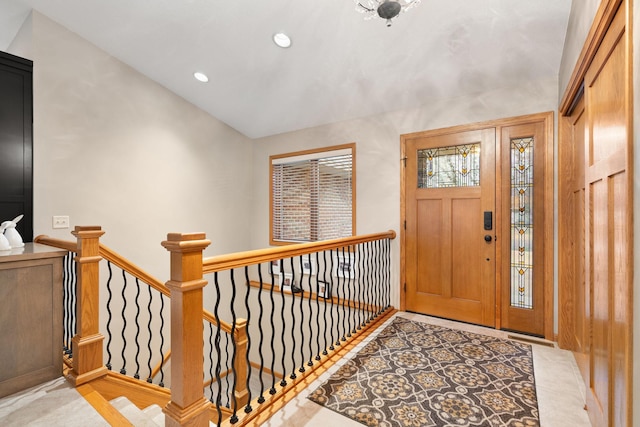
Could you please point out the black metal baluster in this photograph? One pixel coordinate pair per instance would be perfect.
(377, 279)
(368, 286)
(337, 301)
(293, 323)
(272, 390)
(375, 285)
(137, 374)
(211, 370)
(218, 401)
(301, 369)
(123, 371)
(344, 296)
(381, 275)
(348, 284)
(317, 303)
(387, 270)
(149, 378)
(283, 382)
(360, 286)
(248, 408)
(327, 293)
(161, 383)
(227, 369)
(109, 315)
(261, 398)
(74, 301)
(66, 309)
(234, 416)
(310, 361)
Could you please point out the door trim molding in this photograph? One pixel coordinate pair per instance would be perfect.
(547, 118)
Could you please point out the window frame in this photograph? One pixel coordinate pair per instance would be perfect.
(316, 153)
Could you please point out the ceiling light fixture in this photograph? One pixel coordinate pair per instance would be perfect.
(385, 9)
(282, 40)
(202, 77)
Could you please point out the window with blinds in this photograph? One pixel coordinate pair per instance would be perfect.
(312, 195)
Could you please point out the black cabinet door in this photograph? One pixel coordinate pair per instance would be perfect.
(16, 142)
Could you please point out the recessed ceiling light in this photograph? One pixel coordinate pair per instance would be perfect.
(282, 40)
(201, 77)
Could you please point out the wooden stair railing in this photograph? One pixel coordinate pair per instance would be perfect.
(188, 404)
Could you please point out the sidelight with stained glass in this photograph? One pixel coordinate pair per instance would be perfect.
(522, 222)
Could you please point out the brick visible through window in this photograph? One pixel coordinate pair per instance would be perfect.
(312, 194)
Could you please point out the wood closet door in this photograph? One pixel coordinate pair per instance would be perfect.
(608, 185)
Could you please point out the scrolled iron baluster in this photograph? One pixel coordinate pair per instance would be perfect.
(293, 375)
(387, 270)
(234, 416)
(327, 293)
(109, 314)
(227, 369)
(260, 313)
(123, 371)
(301, 369)
(66, 309)
(336, 304)
(161, 383)
(149, 378)
(218, 401)
(211, 370)
(283, 381)
(272, 390)
(247, 408)
(360, 287)
(137, 374)
(370, 286)
(344, 298)
(317, 303)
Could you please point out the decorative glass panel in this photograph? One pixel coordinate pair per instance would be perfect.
(522, 223)
(454, 166)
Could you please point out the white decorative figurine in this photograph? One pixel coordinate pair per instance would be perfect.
(11, 234)
(4, 243)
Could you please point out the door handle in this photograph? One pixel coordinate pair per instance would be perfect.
(487, 238)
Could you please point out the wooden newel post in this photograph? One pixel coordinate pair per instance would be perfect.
(86, 345)
(188, 405)
(240, 365)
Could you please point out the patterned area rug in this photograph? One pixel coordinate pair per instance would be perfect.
(415, 374)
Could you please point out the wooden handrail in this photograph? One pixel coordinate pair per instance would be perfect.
(121, 262)
(241, 259)
(57, 243)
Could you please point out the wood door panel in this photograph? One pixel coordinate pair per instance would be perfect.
(430, 239)
(599, 360)
(466, 226)
(621, 315)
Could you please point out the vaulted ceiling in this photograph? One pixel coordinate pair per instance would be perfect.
(338, 67)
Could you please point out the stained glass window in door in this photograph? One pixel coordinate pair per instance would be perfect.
(522, 223)
(453, 166)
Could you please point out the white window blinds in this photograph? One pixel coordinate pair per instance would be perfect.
(312, 196)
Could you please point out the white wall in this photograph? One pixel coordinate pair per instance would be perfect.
(580, 20)
(377, 141)
(116, 149)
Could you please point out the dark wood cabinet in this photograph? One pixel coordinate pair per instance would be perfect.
(30, 317)
(16, 142)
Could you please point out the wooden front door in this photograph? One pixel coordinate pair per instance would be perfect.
(450, 230)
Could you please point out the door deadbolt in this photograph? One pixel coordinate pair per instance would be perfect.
(487, 238)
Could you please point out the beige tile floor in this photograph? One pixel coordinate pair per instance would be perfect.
(559, 386)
